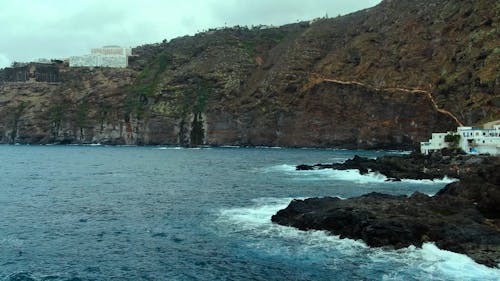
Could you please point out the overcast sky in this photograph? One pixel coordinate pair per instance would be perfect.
(32, 29)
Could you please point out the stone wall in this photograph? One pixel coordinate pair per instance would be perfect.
(97, 60)
(32, 72)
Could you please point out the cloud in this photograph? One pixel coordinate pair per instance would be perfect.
(280, 12)
(59, 28)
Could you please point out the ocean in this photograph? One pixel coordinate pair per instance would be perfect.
(169, 213)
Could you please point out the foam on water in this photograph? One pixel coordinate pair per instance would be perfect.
(168, 148)
(451, 263)
(269, 147)
(281, 168)
(179, 148)
(429, 262)
(435, 263)
(256, 221)
(345, 175)
(445, 180)
(328, 174)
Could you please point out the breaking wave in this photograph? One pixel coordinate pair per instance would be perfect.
(335, 254)
(344, 175)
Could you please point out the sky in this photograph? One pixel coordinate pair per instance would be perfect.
(33, 29)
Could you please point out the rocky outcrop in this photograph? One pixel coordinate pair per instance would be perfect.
(480, 186)
(463, 217)
(412, 166)
(384, 77)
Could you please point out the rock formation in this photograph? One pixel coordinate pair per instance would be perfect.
(413, 166)
(464, 217)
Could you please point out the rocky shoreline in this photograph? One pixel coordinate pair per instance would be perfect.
(463, 217)
(412, 166)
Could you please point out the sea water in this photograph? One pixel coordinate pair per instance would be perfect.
(166, 213)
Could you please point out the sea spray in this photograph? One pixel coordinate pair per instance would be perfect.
(426, 263)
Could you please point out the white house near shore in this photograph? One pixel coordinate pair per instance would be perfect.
(471, 140)
(107, 56)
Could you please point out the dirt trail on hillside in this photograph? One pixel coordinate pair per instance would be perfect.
(406, 90)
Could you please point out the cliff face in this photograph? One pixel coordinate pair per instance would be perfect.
(382, 77)
(85, 108)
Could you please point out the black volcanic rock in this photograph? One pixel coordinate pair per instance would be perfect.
(480, 187)
(464, 217)
(412, 166)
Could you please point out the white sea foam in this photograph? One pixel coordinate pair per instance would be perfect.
(429, 262)
(345, 175)
(444, 180)
(435, 263)
(452, 263)
(256, 220)
(280, 168)
(179, 148)
(257, 214)
(94, 144)
(327, 174)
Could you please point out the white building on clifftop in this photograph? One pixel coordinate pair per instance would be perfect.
(470, 140)
(111, 51)
(107, 56)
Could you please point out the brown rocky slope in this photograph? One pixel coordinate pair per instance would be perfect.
(382, 77)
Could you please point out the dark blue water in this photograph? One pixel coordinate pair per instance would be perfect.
(149, 213)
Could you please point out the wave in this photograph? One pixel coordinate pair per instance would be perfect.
(432, 261)
(452, 264)
(327, 174)
(256, 221)
(84, 144)
(345, 175)
(318, 247)
(445, 180)
(168, 148)
(180, 148)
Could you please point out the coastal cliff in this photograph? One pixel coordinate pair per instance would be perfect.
(384, 77)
